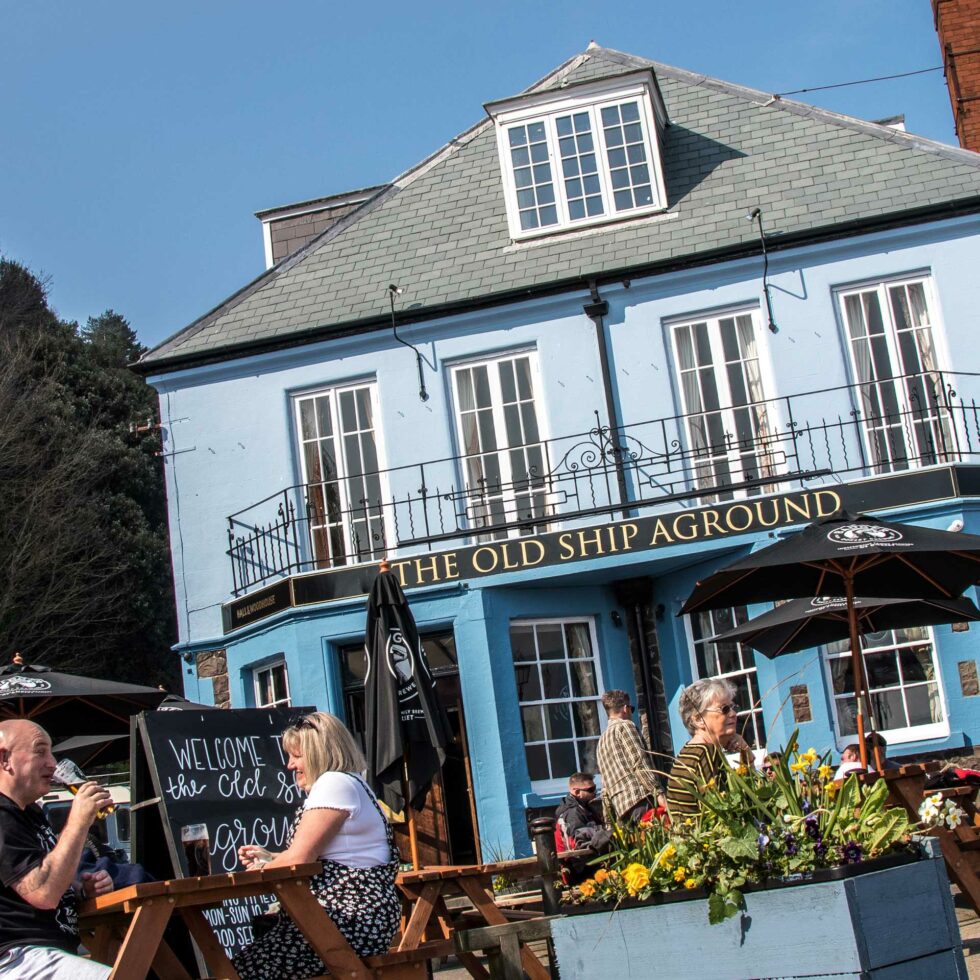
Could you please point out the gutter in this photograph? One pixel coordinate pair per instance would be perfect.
(580, 283)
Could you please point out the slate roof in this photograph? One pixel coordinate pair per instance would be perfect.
(442, 226)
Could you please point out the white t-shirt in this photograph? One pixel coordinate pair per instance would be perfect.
(361, 841)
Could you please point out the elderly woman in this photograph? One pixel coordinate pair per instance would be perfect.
(341, 825)
(709, 713)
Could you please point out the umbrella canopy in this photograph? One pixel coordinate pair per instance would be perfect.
(67, 704)
(880, 558)
(404, 721)
(93, 750)
(803, 623)
(844, 555)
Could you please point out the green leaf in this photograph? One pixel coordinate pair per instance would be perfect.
(874, 801)
(717, 909)
(894, 824)
(740, 847)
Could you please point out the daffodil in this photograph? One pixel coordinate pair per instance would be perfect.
(825, 772)
(801, 765)
(666, 856)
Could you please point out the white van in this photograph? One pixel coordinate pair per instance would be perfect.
(112, 833)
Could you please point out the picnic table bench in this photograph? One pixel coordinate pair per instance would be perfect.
(125, 929)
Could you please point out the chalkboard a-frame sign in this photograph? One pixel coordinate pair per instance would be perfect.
(225, 769)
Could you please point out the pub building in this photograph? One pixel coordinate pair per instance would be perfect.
(631, 325)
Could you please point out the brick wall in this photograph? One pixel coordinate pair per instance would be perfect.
(958, 26)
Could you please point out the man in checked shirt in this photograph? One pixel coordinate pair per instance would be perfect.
(630, 786)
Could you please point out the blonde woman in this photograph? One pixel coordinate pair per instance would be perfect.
(341, 825)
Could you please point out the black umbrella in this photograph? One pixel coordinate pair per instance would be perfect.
(845, 555)
(406, 726)
(803, 623)
(90, 750)
(70, 704)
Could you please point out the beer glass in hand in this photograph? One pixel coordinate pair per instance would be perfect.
(71, 777)
(197, 849)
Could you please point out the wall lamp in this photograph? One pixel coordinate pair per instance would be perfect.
(756, 215)
(394, 291)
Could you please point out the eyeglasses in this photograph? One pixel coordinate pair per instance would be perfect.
(725, 709)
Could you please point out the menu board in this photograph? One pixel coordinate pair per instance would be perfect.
(225, 770)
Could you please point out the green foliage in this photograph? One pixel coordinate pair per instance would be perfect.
(753, 827)
(85, 579)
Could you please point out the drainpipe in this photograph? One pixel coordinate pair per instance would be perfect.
(633, 594)
(596, 311)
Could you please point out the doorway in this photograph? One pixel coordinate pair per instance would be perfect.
(446, 826)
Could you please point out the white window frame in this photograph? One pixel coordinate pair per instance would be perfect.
(894, 736)
(503, 449)
(591, 97)
(881, 286)
(334, 392)
(747, 653)
(548, 787)
(268, 668)
(713, 318)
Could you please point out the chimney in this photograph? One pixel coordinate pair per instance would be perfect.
(958, 26)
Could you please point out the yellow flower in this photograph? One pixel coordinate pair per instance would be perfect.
(825, 772)
(832, 790)
(666, 855)
(811, 755)
(711, 783)
(680, 874)
(801, 765)
(690, 883)
(601, 875)
(742, 770)
(587, 888)
(636, 877)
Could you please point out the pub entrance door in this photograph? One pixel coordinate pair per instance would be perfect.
(446, 826)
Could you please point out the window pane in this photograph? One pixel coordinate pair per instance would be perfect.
(586, 717)
(554, 679)
(533, 723)
(537, 761)
(563, 761)
(559, 720)
(550, 642)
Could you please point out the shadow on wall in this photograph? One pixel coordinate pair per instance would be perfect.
(689, 159)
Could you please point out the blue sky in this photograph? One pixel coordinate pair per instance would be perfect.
(139, 139)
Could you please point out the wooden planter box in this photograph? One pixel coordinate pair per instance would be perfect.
(893, 924)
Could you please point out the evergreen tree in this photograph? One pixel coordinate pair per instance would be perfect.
(85, 579)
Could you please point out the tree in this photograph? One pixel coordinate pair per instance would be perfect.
(84, 562)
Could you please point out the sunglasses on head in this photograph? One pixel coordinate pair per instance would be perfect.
(304, 721)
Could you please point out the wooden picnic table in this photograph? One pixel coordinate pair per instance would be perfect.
(125, 929)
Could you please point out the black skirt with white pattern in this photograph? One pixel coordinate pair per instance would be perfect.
(363, 903)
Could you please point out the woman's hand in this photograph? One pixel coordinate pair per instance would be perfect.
(735, 743)
(254, 857)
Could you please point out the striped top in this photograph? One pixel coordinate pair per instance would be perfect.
(694, 766)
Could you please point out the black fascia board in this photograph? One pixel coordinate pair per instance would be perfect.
(637, 270)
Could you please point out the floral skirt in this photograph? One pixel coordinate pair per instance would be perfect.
(364, 905)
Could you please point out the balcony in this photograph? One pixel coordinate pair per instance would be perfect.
(831, 435)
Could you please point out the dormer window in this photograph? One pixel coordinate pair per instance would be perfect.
(581, 155)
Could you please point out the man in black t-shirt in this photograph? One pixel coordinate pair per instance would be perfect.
(38, 882)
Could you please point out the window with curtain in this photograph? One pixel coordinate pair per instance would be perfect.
(734, 662)
(890, 329)
(726, 417)
(558, 687)
(344, 487)
(504, 459)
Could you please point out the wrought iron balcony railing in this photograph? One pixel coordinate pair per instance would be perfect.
(717, 454)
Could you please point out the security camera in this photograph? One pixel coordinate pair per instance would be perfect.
(956, 525)
(753, 214)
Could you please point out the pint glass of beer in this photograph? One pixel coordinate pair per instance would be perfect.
(71, 777)
(197, 849)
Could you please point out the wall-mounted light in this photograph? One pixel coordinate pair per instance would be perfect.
(617, 620)
(756, 215)
(394, 291)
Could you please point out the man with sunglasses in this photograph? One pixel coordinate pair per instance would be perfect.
(579, 823)
(630, 783)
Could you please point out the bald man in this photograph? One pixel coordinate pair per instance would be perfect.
(39, 887)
